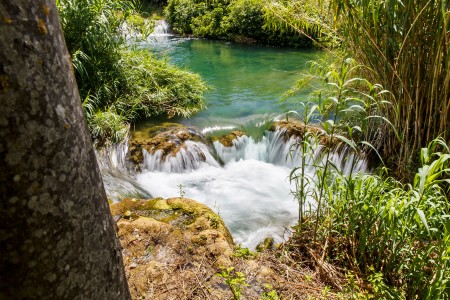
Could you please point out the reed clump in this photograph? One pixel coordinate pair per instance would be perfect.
(406, 45)
(369, 235)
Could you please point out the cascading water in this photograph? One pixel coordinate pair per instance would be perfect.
(161, 33)
(119, 182)
(247, 183)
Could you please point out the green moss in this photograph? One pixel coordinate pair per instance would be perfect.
(169, 138)
(227, 140)
(267, 244)
(178, 212)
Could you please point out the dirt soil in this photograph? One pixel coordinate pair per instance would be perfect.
(174, 248)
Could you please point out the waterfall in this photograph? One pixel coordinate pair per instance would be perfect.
(247, 183)
(275, 150)
(118, 178)
(161, 28)
(161, 33)
(190, 157)
(272, 148)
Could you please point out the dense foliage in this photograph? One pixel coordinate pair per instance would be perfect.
(120, 84)
(407, 46)
(395, 236)
(240, 20)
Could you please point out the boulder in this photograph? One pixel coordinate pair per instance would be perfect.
(227, 139)
(168, 242)
(298, 129)
(167, 137)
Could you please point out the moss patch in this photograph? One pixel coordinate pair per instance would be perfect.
(227, 140)
(298, 129)
(167, 137)
(169, 239)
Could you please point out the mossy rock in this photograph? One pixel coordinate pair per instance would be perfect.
(267, 244)
(227, 140)
(297, 129)
(167, 137)
(165, 239)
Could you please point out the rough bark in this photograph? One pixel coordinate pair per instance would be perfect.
(57, 237)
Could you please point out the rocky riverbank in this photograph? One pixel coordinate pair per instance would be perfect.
(175, 249)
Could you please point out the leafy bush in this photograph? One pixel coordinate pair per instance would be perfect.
(179, 13)
(121, 84)
(234, 19)
(158, 87)
(246, 18)
(210, 24)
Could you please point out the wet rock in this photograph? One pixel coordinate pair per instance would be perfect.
(295, 128)
(298, 129)
(227, 140)
(167, 137)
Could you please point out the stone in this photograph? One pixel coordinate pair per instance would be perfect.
(169, 138)
(170, 239)
(227, 139)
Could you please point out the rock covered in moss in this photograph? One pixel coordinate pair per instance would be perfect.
(166, 240)
(227, 139)
(295, 128)
(267, 244)
(170, 138)
(298, 129)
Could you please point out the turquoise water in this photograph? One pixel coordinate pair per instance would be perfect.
(244, 184)
(248, 82)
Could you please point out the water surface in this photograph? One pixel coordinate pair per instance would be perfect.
(251, 188)
(247, 81)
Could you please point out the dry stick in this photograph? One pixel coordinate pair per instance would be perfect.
(329, 271)
(199, 285)
(202, 287)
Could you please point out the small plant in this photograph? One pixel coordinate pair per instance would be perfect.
(244, 253)
(214, 221)
(234, 280)
(181, 190)
(269, 293)
(149, 250)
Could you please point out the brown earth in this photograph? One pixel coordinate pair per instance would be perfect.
(174, 248)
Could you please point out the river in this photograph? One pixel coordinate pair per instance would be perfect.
(247, 184)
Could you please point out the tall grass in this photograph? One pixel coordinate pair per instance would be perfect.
(407, 45)
(394, 236)
(375, 225)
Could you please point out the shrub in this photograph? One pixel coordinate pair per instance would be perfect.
(158, 87)
(237, 20)
(246, 18)
(121, 84)
(210, 24)
(179, 13)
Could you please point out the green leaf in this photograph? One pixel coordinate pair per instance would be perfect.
(347, 141)
(423, 219)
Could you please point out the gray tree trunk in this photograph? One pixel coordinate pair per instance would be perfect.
(57, 237)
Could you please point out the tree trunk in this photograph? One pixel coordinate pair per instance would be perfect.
(57, 237)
